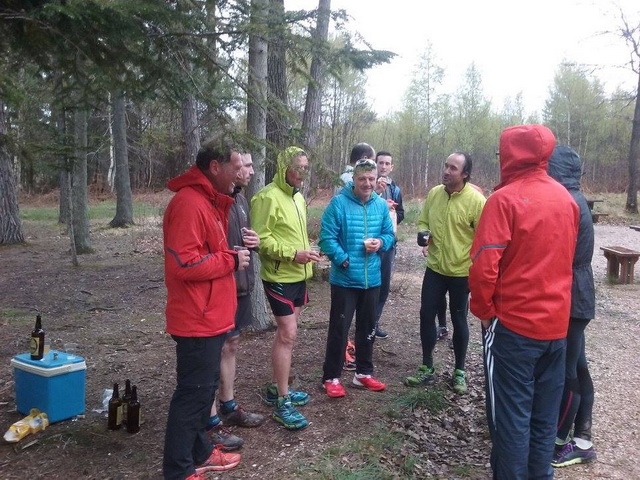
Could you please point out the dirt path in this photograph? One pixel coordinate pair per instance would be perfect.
(113, 306)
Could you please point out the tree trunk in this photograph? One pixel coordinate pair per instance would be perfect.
(312, 109)
(257, 128)
(80, 206)
(65, 167)
(277, 112)
(10, 224)
(190, 136)
(634, 155)
(124, 203)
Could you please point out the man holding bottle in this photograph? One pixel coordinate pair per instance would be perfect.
(201, 304)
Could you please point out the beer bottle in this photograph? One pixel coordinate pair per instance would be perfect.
(114, 421)
(126, 398)
(37, 340)
(133, 412)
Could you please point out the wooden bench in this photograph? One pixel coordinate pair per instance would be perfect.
(591, 202)
(620, 263)
(596, 216)
(635, 227)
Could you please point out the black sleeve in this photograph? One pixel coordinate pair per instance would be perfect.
(399, 207)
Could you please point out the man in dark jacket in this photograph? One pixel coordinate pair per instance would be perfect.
(201, 304)
(577, 399)
(389, 191)
(239, 235)
(521, 274)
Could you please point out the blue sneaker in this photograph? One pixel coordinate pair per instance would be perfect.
(287, 415)
(297, 398)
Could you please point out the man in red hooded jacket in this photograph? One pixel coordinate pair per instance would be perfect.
(520, 284)
(201, 304)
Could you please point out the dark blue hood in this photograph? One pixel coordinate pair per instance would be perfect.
(565, 167)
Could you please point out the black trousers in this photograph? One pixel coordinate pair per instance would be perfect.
(434, 287)
(578, 394)
(387, 260)
(186, 443)
(344, 302)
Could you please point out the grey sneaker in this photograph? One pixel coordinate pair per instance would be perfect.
(442, 333)
(225, 440)
(458, 382)
(423, 376)
(241, 418)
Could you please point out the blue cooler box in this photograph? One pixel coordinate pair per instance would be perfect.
(55, 386)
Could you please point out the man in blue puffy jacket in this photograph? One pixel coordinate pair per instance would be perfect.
(356, 228)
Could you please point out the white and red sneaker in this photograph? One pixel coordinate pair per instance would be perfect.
(334, 388)
(368, 382)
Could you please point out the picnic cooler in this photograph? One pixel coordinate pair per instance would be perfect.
(55, 384)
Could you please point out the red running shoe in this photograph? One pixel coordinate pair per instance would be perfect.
(368, 382)
(334, 388)
(350, 353)
(218, 461)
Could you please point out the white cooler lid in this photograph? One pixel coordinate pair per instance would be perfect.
(49, 366)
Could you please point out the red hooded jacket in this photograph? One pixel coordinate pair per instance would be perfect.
(198, 265)
(523, 248)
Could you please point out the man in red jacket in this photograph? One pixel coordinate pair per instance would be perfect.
(520, 284)
(201, 304)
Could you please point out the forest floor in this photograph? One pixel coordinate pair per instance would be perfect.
(112, 305)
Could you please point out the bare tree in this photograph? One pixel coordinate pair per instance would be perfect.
(312, 109)
(257, 129)
(80, 208)
(631, 35)
(190, 135)
(124, 202)
(10, 224)
(277, 112)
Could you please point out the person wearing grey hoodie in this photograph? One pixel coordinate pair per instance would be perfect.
(577, 399)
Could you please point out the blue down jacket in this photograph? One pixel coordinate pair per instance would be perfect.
(345, 224)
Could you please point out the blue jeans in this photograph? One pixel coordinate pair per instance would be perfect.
(524, 381)
(186, 442)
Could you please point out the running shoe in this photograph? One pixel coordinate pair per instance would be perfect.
(286, 414)
(381, 333)
(442, 333)
(334, 388)
(424, 376)
(349, 366)
(571, 454)
(239, 417)
(368, 382)
(297, 398)
(218, 461)
(223, 438)
(458, 382)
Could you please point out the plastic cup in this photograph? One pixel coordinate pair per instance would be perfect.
(71, 349)
(368, 243)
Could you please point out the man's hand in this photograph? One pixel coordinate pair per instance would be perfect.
(243, 259)
(425, 251)
(381, 185)
(372, 245)
(250, 238)
(391, 204)
(306, 256)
